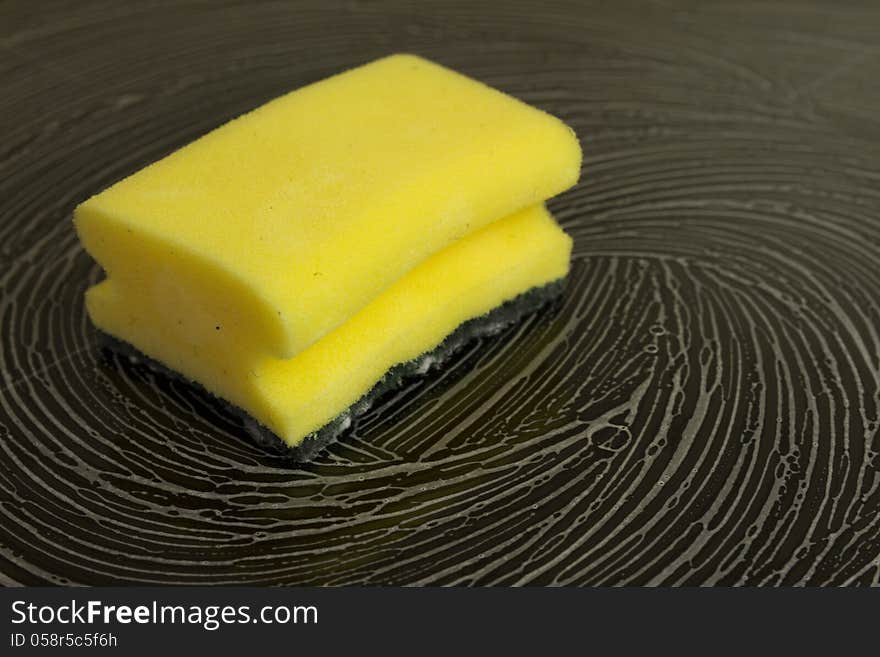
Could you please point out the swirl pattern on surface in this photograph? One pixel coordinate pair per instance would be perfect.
(701, 407)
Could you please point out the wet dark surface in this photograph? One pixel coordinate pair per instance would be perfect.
(702, 408)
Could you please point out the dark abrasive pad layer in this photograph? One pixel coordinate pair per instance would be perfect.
(485, 325)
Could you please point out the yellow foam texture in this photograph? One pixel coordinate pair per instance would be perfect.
(298, 395)
(291, 218)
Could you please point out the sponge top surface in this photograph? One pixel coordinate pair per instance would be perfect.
(318, 200)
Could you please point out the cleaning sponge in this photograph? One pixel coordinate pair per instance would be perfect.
(292, 258)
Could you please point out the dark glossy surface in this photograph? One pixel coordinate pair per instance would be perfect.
(701, 408)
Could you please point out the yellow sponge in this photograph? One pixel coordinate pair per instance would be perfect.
(280, 225)
(289, 259)
(296, 396)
